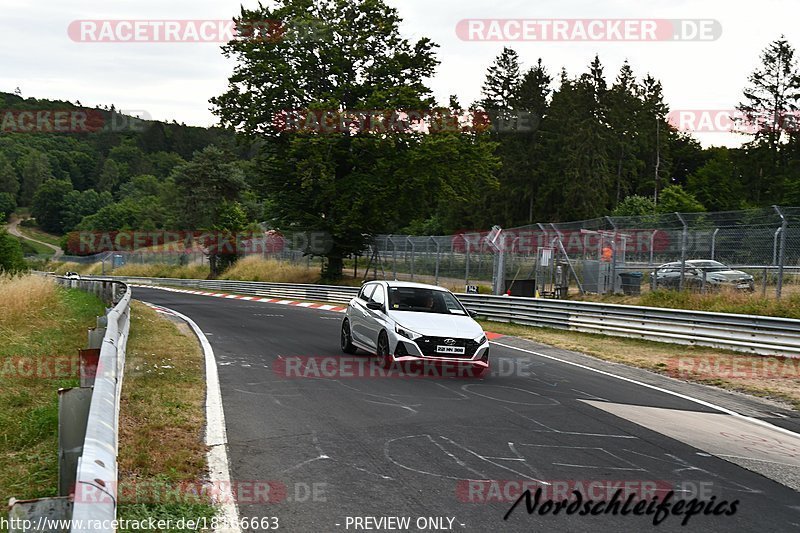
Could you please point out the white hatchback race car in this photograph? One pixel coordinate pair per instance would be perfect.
(411, 322)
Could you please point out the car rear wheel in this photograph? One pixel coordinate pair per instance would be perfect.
(346, 338)
(384, 358)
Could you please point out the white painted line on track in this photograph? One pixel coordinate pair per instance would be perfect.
(725, 410)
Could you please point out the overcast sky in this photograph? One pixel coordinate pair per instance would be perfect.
(175, 80)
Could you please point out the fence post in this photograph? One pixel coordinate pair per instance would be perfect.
(684, 237)
(781, 252)
(413, 254)
(652, 245)
(394, 256)
(436, 271)
(613, 256)
(775, 246)
(466, 266)
(714, 243)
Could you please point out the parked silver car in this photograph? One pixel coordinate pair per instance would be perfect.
(411, 322)
(716, 276)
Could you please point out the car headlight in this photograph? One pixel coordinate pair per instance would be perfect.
(480, 340)
(407, 333)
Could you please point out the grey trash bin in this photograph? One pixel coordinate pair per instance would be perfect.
(631, 283)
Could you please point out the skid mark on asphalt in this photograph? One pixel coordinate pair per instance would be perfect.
(323, 456)
(450, 457)
(541, 400)
(548, 429)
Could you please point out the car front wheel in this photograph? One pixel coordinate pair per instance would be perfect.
(384, 358)
(346, 338)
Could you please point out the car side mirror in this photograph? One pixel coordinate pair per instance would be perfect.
(473, 314)
(375, 306)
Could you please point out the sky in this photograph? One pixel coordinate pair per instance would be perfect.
(174, 80)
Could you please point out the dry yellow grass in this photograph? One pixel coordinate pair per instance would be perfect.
(23, 297)
(84, 269)
(160, 270)
(259, 269)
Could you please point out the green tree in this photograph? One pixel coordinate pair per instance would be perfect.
(79, 204)
(110, 177)
(9, 182)
(501, 87)
(35, 171)
(675, 199)
(11, 257)
(206, 194)
(8, 203)
(624, 110)
(347, 184)
(773, 93)
(716, 185)
(635, 206)
(49, 202)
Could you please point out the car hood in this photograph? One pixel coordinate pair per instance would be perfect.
(730, 275)
(438, 324)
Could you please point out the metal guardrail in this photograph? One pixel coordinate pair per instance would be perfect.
(89, 422)
(744, 333)
(320, 293)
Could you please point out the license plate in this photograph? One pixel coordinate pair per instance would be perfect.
(744, 286)
(450, 349)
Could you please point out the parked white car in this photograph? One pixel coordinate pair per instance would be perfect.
(406, 322)
(72, 275)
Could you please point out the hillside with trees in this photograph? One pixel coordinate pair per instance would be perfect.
(601, 143)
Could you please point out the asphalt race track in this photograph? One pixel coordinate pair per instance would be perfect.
(342, 452)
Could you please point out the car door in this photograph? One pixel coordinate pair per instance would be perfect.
(358, 316)
(375, 319)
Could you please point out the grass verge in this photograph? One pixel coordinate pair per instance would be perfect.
(724, 301)
(34, 248)
(40, 235)
(162, 457)
(40, 324)
(766, 377)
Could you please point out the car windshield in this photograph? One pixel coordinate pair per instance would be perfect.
(423, 300)
(710, 266)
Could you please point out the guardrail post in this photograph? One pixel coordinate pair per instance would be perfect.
(96, 337)
(782, 252)
(684, 237)
(73, 414)
(88, 360)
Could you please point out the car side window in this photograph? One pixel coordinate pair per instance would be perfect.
(378, 296)
(366, 292)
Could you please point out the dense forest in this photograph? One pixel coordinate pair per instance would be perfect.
(602, 144)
